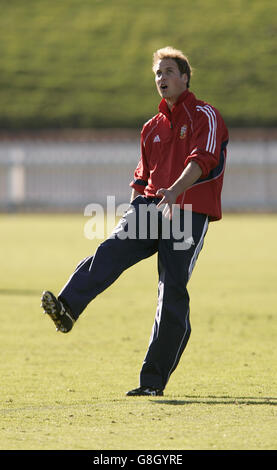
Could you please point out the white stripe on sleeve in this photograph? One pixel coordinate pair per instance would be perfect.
(211, 141)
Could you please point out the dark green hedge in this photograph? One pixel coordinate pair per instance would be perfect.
(87, 64)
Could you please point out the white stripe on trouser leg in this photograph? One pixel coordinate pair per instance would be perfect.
(159, 309)
(183, 338)
(191, 266)
(198, 248)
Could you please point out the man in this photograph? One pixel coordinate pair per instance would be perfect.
(183, 153)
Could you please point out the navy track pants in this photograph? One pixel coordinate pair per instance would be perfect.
(171, 329)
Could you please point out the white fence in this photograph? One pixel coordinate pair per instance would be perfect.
(67, 176)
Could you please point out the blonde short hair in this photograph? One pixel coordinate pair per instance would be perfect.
(180, 59)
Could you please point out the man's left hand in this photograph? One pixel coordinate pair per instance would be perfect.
(169, 198)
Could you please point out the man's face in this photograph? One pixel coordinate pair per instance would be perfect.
(169, 81)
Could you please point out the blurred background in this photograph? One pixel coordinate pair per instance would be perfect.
(76, 86)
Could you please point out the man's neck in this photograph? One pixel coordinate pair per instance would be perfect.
(172, 100)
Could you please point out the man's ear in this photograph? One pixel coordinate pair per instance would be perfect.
(185, 78)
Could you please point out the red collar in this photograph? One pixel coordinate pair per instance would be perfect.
(164, 109)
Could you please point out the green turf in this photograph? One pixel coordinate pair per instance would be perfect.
(68, 391)
(88, 64)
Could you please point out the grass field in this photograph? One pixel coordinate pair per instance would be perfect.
(88, 64)
(68, 391)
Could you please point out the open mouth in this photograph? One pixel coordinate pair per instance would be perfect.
(164, 87)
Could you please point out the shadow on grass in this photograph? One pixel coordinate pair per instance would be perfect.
(219, 400)
(25, 292)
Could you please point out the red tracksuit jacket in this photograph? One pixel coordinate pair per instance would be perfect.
(193, 131)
